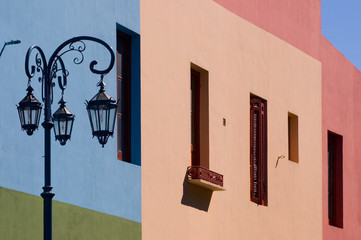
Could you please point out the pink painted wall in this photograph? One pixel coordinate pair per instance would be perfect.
(341, 99)
(298, 22)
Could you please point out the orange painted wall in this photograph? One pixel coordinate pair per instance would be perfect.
(341, 112)
(241, 59)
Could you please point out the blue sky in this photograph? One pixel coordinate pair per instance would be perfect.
(341, 25)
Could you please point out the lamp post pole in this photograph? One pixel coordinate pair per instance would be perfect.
(47, 195)
(29, 108)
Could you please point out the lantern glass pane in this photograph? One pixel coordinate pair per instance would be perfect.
(90, 120)
(102, 118)
(62, 126)
(112, 113)
(27, 115)
(69, 127)
(94, 119)
(38, 113)
(56, 127)
(21, 116)
(34, 116)
(107, 119)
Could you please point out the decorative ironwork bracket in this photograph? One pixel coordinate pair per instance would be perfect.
(50, 69)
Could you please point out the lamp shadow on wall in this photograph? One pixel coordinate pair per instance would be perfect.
(196, 196)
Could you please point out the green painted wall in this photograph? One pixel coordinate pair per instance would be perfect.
(21, 219)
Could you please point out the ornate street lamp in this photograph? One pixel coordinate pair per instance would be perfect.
(101, 108)
(63, 123)
(29, 109)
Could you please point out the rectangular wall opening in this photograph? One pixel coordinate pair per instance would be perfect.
(293, 137)
(128, 94)
(335, 180)
(199, 117)
(123, 94)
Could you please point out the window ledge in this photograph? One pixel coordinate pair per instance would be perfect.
(206, 184)
(205, 178)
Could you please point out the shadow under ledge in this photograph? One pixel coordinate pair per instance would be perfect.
(197, 193)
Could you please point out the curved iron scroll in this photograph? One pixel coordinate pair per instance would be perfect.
(50, 70)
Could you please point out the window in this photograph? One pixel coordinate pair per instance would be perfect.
(292, 137)
(198, 173)
(258, 150)
(199, 118)
(195, 105)
(335, 181)
(123, 91)
(128, 93)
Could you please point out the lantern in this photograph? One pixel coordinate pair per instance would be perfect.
(29, 110)
(63, 123)
(102, 109)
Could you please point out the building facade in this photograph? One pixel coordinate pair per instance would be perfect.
(340, 134)
(237, 61)
(97, 196)
(236, 120)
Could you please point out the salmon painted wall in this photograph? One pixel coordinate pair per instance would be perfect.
(341, 114)
(241, 59)
(297, 22)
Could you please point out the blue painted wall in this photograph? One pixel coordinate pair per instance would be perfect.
(83, 173)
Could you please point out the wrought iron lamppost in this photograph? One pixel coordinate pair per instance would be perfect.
(101, 108)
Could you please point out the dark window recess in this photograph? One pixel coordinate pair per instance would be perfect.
(335, 180)
(199, 172)
(293, 137)
(258, 151)
(195, 118)
(124, 95)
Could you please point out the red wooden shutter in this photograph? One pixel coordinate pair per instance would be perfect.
(258, 151)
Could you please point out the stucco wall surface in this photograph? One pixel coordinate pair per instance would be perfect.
(341, 84)
(83, 173)
(21, 219)
(241, 59)
(296, 22)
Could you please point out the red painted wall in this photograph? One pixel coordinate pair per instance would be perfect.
(341, 105)
(295, 21)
